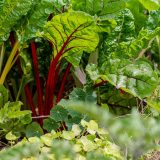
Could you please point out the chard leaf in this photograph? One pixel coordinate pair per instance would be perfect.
(150, 4)
(143, 41)
(136, 78)
(102, 7)
(123, 32)
(35, 20)
(154, 100)
(11, 11)
(138, 13)
(72, 33)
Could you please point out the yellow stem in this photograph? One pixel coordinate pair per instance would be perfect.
(9, 63)
(14, 60)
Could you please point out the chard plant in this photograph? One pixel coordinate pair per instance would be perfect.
(88, 51)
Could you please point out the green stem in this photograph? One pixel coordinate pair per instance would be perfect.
(158, 43)
(20, 89)
(1, 56)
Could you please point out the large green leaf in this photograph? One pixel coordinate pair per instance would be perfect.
(138, 13)
(10, 12)
(35, 20)
(154, 100)
(136, 78)
(98, 7)
(150, 4)
(143, 41)
(123, 32)
(77, 30)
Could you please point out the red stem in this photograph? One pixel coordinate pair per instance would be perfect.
(51, 75)
(51, 78)
(26, 88)
(122, 91)
(100, 83)
(29, 100)
(38, 82)
(63, 82)
(47, 110)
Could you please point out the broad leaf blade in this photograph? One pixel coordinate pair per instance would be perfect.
(11, 12)
(150, 4)
(98, 7)
(136, 78)
(35, 20)
(77, 30)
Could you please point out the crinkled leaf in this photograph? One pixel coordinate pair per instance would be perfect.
(153, 20)
(19, 114)
(112, 46)
(154, 100)
(117, 100)
(76, 30)
(98, 7)
(26, 119)
(11, 12)
(35, 20)
(136, 78)
(142, 41)
(138, 13)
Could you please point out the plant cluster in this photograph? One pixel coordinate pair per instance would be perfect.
(66, 63)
